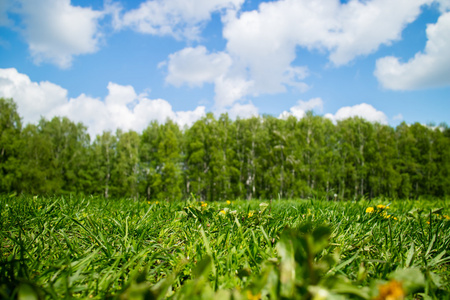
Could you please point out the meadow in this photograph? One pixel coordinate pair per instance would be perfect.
(96, 248)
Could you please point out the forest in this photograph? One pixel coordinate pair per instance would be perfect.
(219, 158)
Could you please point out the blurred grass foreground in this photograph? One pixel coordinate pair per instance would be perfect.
(95, 248)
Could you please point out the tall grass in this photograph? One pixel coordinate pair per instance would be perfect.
(64, 247)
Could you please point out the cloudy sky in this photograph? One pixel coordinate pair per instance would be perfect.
(120, 64)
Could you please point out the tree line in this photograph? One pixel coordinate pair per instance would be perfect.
(218, 158)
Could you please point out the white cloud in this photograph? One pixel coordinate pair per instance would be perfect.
(302, 107)
(398, 117)
(241, 110)
(424, 70)
(34, 99)
(364, 26)
(229, 89)
(177, 18)
(195, 66)
(263, 42)
(122, 107)
(56, 31)
(363, 110)
(444, 5)
(346, 30)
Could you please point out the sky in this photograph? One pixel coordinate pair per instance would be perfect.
(122, 64)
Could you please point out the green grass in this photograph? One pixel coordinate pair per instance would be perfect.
(73, 247)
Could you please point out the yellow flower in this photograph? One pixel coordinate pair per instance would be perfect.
(392, 290)
(446, 217)
(204, 204)
(369, 210)
(250, 214)
(148, 202)
(228, 202)
(223, 212)
(250, 296)
(380, 206)
(156, 202)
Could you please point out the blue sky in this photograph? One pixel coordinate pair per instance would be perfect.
(121, 64)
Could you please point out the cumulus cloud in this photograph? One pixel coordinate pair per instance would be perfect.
(35, 99)
(302, 107)
(242, 111)
(122, 107)
(177, 18)
(263, 42)
(55, 30)
(195, 66)
(363, 110)
(229, 89)
(345, 30)
(426, 69)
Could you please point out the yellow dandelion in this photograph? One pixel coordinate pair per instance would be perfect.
(392, 290)
(228, 202)
(223, 212)
(250, 214)
(156, 202)
(369, 210)
(148, 202)
(204, 204)
(250, 296)
(380, 206)
(446, 217)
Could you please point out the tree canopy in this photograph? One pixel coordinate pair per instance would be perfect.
(219, 159)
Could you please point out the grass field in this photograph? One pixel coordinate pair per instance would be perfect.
(73, 247)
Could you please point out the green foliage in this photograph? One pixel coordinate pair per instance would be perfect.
(218, 159)
(10, 145)
(88, 247)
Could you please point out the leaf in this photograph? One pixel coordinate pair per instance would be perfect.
(412, 279)
(263, 206)
(26, 292)
(321, 235)
(203, 267)
(410, 255)
(437, 260)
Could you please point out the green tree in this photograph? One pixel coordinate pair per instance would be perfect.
(161, 161)
(125, 172)
(104, 157)
(10, 145)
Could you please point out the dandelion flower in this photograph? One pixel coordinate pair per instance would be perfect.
(392, 290)
(204, 204)
(446, 217)
(250, 214)
(369, 210)
(380, 206)
(223, 212)
(250, 296)
(228, 202)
